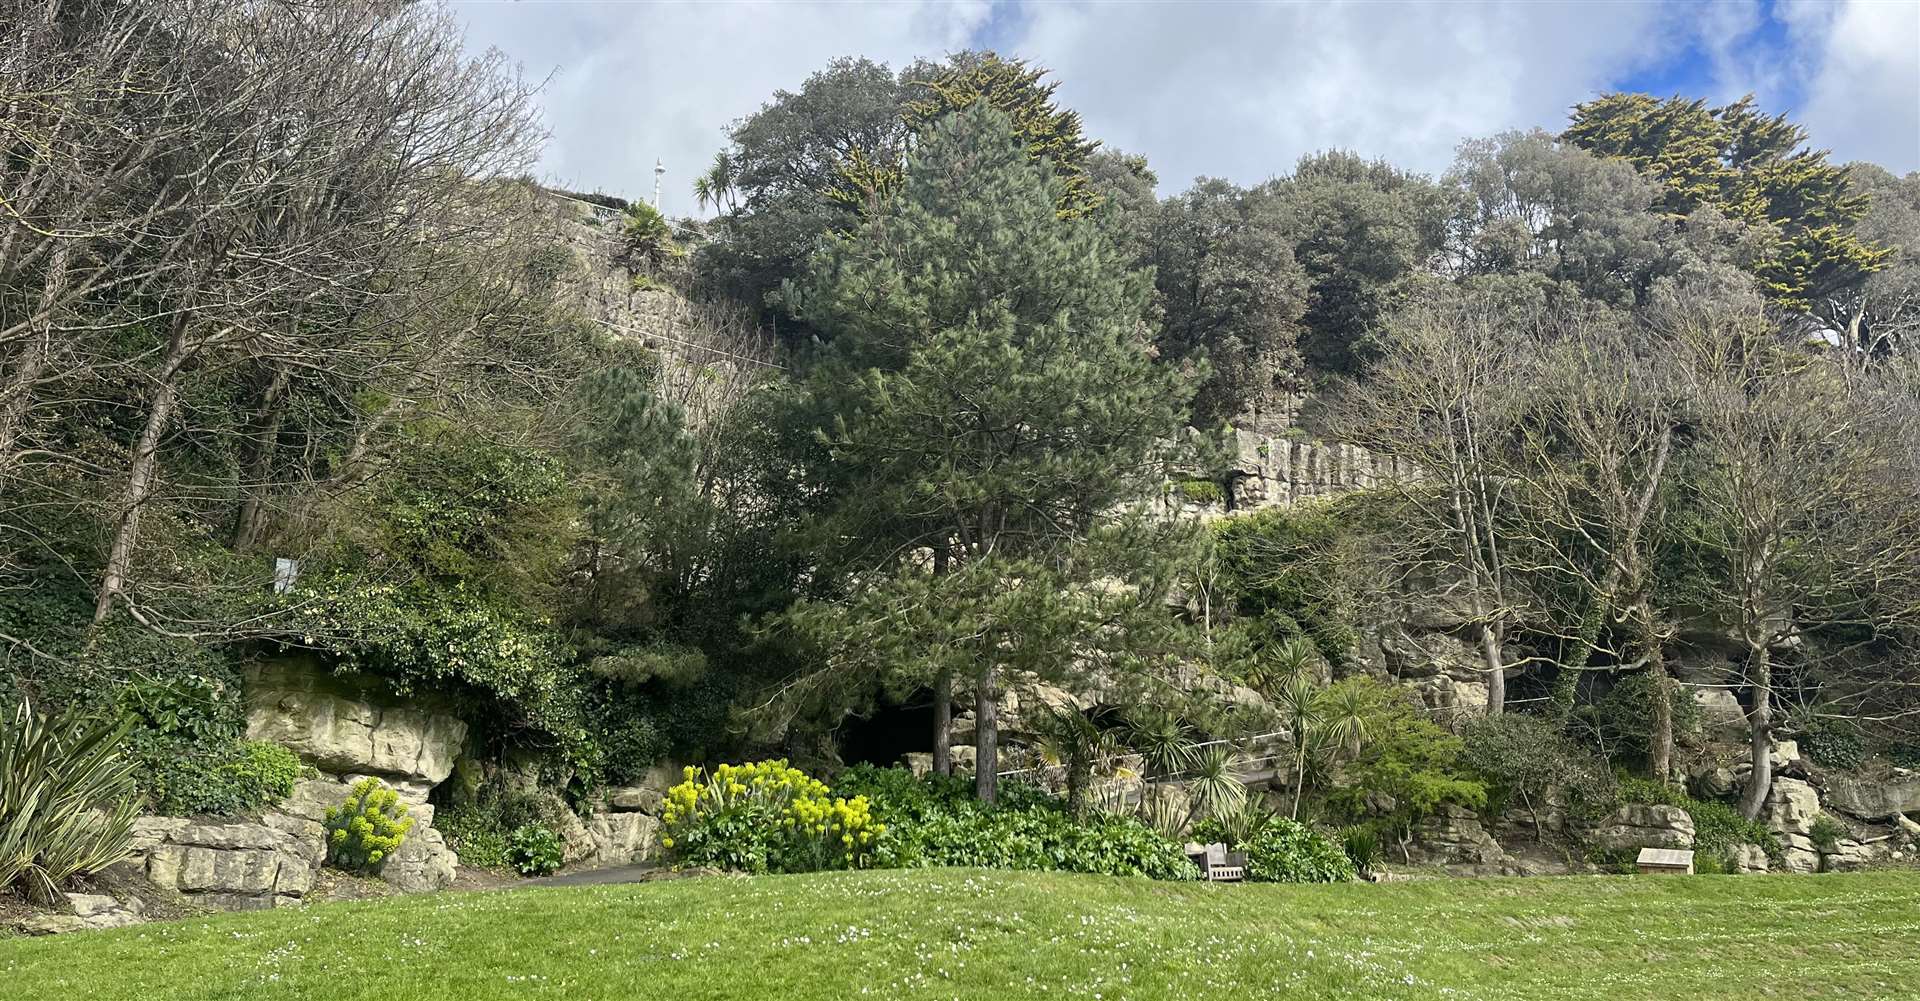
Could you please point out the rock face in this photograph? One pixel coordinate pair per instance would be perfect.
(89, 911)
(233, 866)
(622, 838)
(1454, 835)
(1792, 806)
(338, 728)
(1750, 859)
(1721, 716)
(424, 861)
(1635, 826)
(1872, 799)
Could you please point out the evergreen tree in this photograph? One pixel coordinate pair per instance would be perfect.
(988, 392)
(1753, 168)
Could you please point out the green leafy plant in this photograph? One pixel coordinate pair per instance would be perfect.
(1826, 834)
(1284, 851)
(67, 800)
(365, 831)
(1526, 759)
(535, 850)
(1203, 492)
(1834, 743)
(1361, 842)
(766, 816)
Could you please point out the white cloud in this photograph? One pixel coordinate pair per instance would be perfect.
(633, 82)
(1863, 90)
(1232, 89)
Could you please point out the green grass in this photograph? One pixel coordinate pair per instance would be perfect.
(967, 934)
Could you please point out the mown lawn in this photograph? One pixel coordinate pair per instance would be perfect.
(968, 934)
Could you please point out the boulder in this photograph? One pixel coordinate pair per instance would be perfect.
(1637, 825)
(622, 838)
(1750, 859)
(88, 911)
(423, 862)
(234, 866)
(1721, 715)
(1454, 835)
(1791, 808)
(1871, 799)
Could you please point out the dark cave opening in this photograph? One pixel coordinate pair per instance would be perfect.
(895, 728)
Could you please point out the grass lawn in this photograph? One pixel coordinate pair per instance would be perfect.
(967, 934)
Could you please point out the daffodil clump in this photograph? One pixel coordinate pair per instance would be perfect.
(364, 831)
(766, 816)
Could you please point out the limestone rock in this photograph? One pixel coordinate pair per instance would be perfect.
(424, 861)
(1721, 715)
(231, 865)
(1791, 808)
(1455, 835)
(343, 730)
(1872, 799)
(622, 838)
(1750, 859)
(1908, 827)
(1635, 825)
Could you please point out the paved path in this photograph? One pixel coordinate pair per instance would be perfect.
(611, 876)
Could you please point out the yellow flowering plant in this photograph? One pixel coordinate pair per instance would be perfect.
(364, 831)
(766, 816)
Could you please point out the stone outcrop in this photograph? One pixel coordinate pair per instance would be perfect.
(230, 865)
(1635, 826)
(1791, 808)
(349, 731)
(86, 911)
(622, 838)
(1721, 715)
(1454, 835)
(424, 861)
(1872, 799)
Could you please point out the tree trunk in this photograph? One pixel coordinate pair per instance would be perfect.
(986, 736)
(1566, 685)
(1660, 741)
(247, 525)
(140, 474)
(16, 397)
(943, 722)
(1761, 721)
(942, 686)
(1490, 651)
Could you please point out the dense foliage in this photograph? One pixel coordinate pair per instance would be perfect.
(365, 830)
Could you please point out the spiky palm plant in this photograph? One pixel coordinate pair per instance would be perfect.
(1214, 790)
(67, 800)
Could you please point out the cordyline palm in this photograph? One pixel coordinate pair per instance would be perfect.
(1072, 739)
(1317, 717)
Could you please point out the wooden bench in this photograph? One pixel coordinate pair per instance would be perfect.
(1217, 865)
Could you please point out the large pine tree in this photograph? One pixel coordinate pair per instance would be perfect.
(987, 392)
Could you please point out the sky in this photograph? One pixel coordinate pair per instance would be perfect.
(1239, 90)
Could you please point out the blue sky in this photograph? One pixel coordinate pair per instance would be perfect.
(1209, 87)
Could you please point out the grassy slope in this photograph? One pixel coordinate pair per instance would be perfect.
(966, 934)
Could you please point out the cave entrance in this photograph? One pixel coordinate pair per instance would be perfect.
(895, 729)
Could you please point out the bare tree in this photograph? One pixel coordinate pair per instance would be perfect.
(1446, 400)
(1805, 493)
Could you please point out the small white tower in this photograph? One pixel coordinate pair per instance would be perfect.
(657, 171)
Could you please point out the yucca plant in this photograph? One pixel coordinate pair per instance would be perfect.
(1215, 790)
(67, 800)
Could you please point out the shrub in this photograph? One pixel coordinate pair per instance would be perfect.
(479, 841)
(364, 831)
(1834, 743)
(1404, 759)
(1904, 755)
(1622, 719)
(54, 775)
(1717, 827)
(1286, 851)
(1039, 837)
(1526, 759)
(535, 850)
(1201, 491)
(1361, 842)
(766, 817)
(1826, 834)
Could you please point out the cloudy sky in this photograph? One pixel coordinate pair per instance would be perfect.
(1233, 89)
